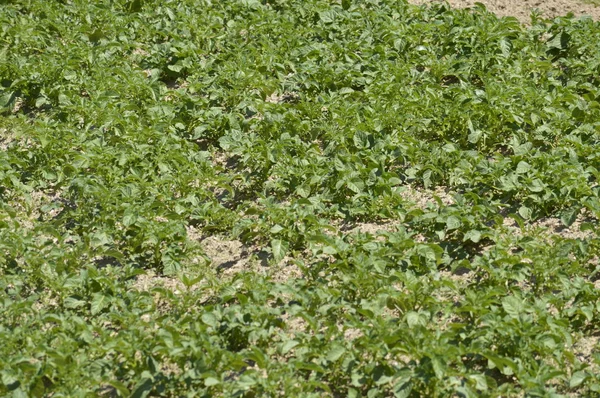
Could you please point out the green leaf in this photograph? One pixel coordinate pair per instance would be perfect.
(6, 99)
(279, 249)
(523, 167)
(560, 41)
(361, 140)
(473, 235)
(210, 319)
(452, 222)
(135, 5)
(253, 4)
(99, 302)
(129, 218)
(9, 379)
(505, 365)
(142, 389)
(275, 229)
(439, 367)
(536, 185)
(120, 387)
(525, 212)
(335, 352)
(403, 390)
(480, 382)
(356, 185)
(175, 68)
(211, 381)
(246, 381)
(72, 302)
(415, 319)
(513, 306)
(19, 393)
(40, 101)
(578, 378)
(228, 142)
(569, 216)
(505, 46)
(327, 16)
(474, 136)
(287, 346)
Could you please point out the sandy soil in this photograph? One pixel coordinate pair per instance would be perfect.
(521, 9)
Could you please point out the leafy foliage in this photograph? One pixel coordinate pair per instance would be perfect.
(130, 127)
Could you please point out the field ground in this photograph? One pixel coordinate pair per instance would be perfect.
(298, 198)
(521, 9)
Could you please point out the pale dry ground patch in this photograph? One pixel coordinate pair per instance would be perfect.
(231, 256)
(227, 257)
(416, 198)
(38, 205)
(422, 198)
(548, 228)
(521, 9)
(6, 139)
(585, 348)
(10, 138)
(149, 280)
(372, 228)
(277, 98)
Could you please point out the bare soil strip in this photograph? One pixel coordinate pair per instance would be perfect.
(521, 9)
